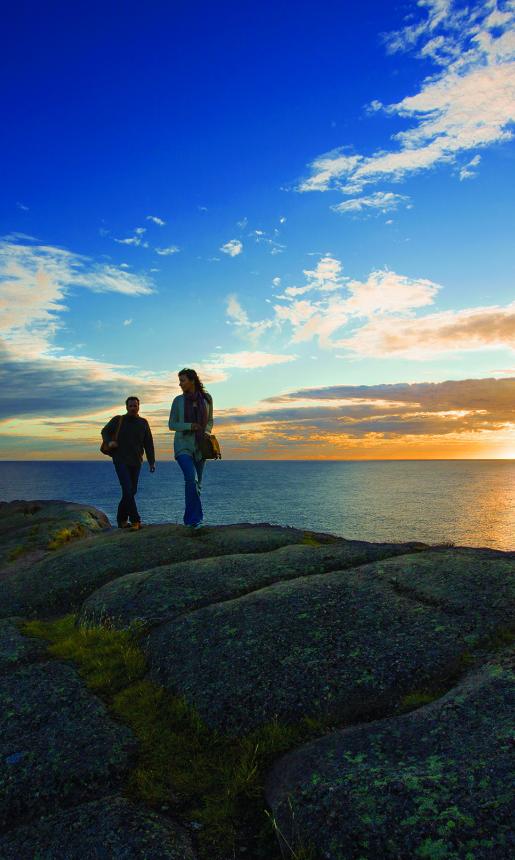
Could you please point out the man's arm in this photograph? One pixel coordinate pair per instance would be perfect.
(148, 445)
(109, 429)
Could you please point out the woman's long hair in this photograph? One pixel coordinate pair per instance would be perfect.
(193, 375)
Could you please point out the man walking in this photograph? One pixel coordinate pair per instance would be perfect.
(128, 436)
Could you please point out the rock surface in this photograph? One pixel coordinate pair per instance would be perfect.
(15, 648)
(58, 746)
(435, 783)
(250, 622)
(109, 829)
(27, 529)
(338, 645)
(64, 578)
(158, 595)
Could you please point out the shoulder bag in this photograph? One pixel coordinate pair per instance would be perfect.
(209, 447)
(104, 448)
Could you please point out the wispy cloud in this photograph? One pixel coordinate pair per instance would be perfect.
(238, 317)
(167, 252)
(262, 238)
(128, 322)
(159, 221)
(469, 103)
(135, 241)
(22, 207)
(382, 200)
(247, 360)
(468, 170)
(450, 331)
(232, 248)
(379, 317)
(382, 417)
(335, 301)
(34, 283)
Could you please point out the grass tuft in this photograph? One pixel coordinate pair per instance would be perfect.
(108, 660)
(66, 535)
(418, 698)
(203, 776)
(309, 540)
(17, 552)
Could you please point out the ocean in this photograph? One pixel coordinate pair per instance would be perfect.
(467, 502)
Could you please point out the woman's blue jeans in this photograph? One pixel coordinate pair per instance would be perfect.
(192, 470)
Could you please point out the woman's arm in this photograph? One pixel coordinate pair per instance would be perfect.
(173, 421)
(209, 425)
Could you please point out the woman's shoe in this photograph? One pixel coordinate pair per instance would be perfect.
(136, 527)
(124, 524)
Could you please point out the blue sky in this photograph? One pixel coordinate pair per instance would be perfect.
(304, 202)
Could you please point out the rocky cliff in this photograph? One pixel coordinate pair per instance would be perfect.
(353, 699)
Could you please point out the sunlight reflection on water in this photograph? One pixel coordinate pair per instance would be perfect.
(470, 502)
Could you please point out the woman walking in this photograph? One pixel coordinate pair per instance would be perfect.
(191, 416)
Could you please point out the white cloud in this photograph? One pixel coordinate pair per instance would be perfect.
(383, 200)
(446, 332)
(34, 283)
(282, 219)
(128, 322)
(326, 277)
(385, 292)
(156, 220)
(166, 252)
(467, 171)
(140, 230)
(232, 248)
(468, 104)
(276, 282)
(238, 317)
(247, 360)
(243, 223)
(136, 241)
(22, 207)
(379, 316)
(262, 238)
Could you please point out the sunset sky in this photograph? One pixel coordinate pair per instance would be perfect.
(310, 203)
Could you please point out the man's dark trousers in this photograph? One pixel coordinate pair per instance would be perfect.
(128, 477)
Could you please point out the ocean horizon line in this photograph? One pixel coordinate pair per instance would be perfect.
(299, 460)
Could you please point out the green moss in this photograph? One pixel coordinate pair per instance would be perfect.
(24, 548)
(183, 765)
(17, 551)
(108, 660)
(65, 535)
(310, 540)
(434, 849)
(418, 698)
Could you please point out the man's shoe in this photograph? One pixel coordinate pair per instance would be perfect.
(124, 525)
(199, 525)
(135, 527)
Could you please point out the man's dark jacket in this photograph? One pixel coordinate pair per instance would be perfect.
(134, 438)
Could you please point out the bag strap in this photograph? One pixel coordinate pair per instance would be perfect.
(120, 421)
